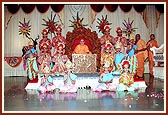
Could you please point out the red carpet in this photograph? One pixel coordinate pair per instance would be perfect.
(34, 80)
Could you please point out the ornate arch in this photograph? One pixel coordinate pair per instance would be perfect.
(72, 39)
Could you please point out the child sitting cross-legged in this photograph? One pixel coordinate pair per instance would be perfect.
(106, 80)
(126, 80)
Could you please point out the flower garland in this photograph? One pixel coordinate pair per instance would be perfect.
(128, 30)
(24, 28)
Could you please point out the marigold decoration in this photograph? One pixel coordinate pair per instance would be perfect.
(128, 30)
(24, 28)
(77, 23)
(103, 22)
(51, 24)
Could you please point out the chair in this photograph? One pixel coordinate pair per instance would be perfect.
(91, 40)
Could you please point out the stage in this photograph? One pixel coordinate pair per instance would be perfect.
(83, 81)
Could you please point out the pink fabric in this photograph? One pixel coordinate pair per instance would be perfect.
(109, 86)
(68, 88)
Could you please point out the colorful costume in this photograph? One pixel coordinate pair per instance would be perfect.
(59, 60)
(45, 41)
(120, 39)
(59, 38)
(126, 80)
(107, 55)
(69, 80)
(132, 59)
(32, 69)
(46, 84)
(106, 80)
(44, 60)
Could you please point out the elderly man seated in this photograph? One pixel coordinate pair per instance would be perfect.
(82, 48)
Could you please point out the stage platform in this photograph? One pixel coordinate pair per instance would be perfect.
(83, 80)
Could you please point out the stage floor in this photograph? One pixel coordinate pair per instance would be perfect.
(17, 99)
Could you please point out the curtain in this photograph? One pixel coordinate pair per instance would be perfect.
(13, 42)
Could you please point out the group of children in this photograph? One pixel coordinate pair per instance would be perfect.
(111, 62)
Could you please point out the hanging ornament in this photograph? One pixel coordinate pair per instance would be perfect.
(128, 30)
(24, 28)
(51, 24)
(102, 23)
(77, 23)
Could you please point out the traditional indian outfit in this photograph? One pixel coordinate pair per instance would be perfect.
(141, 56)
(46, 84)
(126, 82)
(106, 83)
(32, 69)
(82, 49)
(69, 83)
(151, 43)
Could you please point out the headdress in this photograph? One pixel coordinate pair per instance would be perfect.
(58, 28)
(125, 62)
(30, 42)
(44, 32)
(119, 30)
(108, 45)
(69, 64)
(45, 45)
(106, 28)
(61, 45)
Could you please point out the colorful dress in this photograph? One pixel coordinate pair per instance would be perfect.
(69, 83)
(118, 59)
(132, 59)
(105, 83)
(32, 69)
(106, 57)
(44, 60)
(126, 82)
(46, 84)
(59, 64)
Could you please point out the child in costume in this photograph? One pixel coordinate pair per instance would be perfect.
(69, 80)
(59, 60)
(126, 80)
(106, 80)
(107, 54)
(46, 82)
(31, 56)
(131, 47)
(119, 56)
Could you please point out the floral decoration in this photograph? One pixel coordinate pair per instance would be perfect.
(24, 28)
(102, 23)
(77, 23)
(128, 30)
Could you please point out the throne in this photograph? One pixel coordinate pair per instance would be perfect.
(91, 40)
